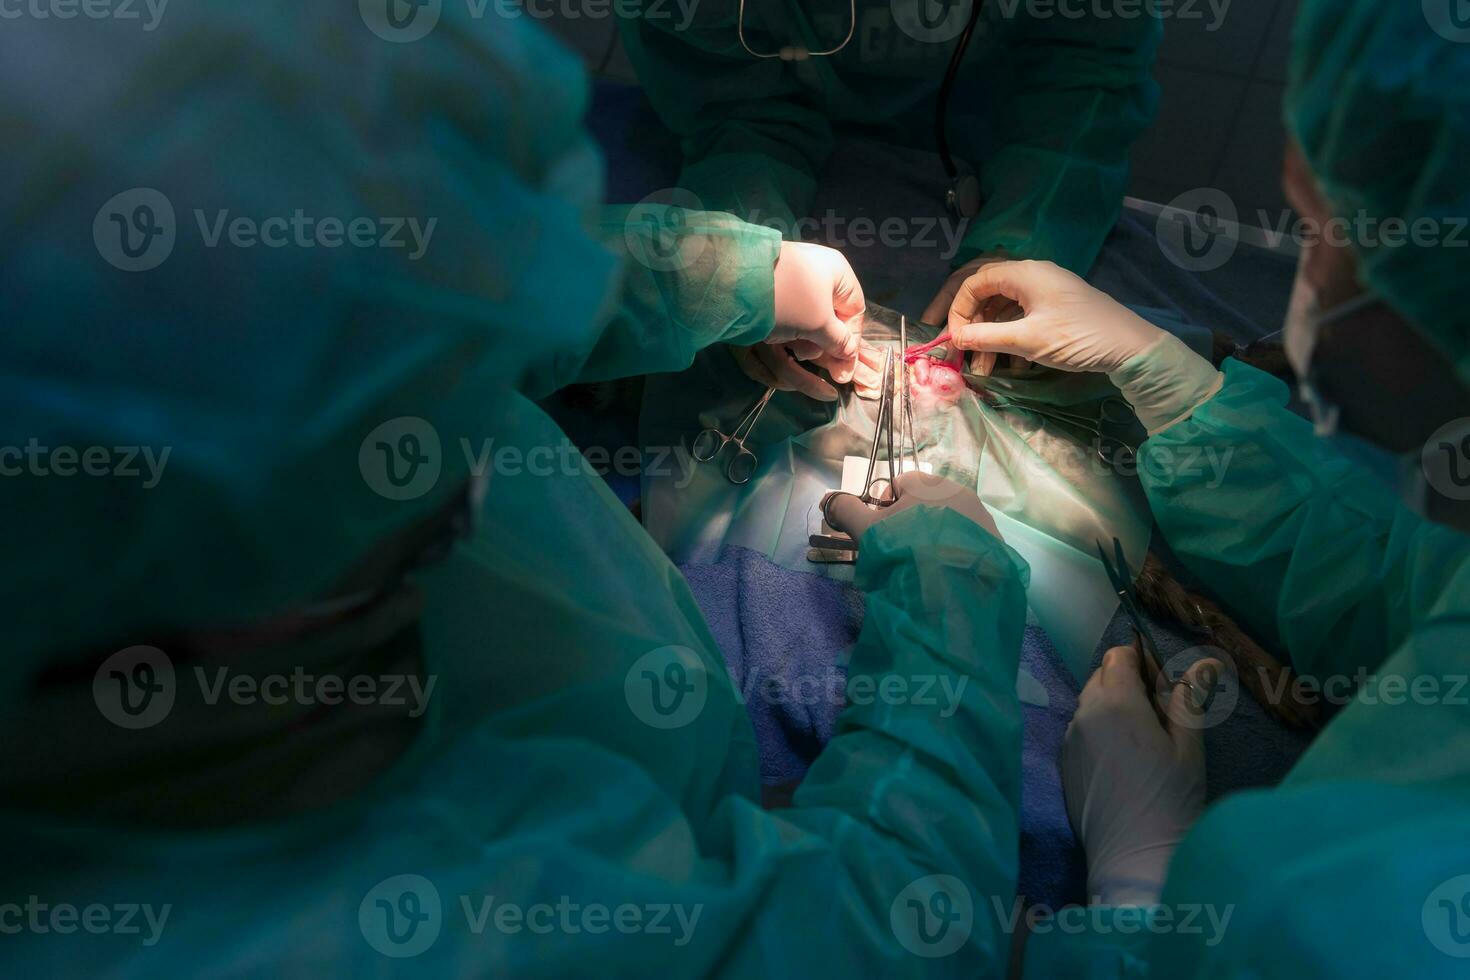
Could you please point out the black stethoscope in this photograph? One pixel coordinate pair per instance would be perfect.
(963, 196)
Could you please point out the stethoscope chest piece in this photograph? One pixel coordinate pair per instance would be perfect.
(963, 197)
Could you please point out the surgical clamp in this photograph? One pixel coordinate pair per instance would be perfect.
(711, 442)
(1121, 578)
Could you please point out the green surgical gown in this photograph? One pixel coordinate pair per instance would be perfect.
(585, 762)
(541, 777)
(1046, 107)
(1358, 864)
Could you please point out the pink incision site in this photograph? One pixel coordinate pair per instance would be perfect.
(936, 384)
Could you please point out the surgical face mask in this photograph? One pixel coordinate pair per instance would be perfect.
(1305, 320)
(1405, 475)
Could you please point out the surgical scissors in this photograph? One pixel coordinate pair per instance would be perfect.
(1121, 577)
(711, 442)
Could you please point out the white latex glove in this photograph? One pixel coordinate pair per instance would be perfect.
(819, 310)
(776, 366)
(847, 513)
(1000, 308)
(1073, 327)
(1134, 786)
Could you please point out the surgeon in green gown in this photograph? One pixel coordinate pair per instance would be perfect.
(1347, 545)
(531, 762)
(369, 673)
(1045, 106)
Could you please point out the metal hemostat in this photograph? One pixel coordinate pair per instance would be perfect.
(831, 546)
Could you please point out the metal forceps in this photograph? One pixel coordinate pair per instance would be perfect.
(895, 412)
(1121, 577)
(882, 424)
(895, 398)
(711, 442)
(1114, 416)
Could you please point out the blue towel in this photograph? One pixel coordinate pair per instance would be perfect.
(1053, 867)
(786, 637)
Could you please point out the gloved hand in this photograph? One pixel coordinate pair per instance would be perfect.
(774, 366)
(997, 308)
(1134, 786)
(847, 513)
(1073, 327)
(819, 309)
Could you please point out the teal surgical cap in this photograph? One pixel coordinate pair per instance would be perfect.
(1379, 100)
(253, 258)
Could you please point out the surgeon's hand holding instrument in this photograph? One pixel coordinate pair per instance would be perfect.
(893, 439)
(710, 442)
(852, 516)
(1120, 575)
(1071, 326)
(1133, 775)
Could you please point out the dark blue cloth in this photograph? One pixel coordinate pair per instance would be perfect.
(785, 636)
(1053, 867)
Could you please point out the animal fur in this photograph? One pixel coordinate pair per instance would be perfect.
(1163, 596)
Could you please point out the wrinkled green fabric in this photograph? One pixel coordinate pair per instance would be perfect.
(309, 350)
(586, 747)
(1379, 101)
(1046, 108)
(1353, 866)
(537, 778)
